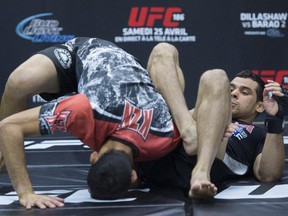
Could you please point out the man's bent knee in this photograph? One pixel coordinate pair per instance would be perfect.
(215, 78)
(164, 50)
(17, 85)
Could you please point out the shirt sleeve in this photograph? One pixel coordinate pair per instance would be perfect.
(67, 114)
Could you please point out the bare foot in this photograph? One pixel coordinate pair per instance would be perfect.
(201, 187)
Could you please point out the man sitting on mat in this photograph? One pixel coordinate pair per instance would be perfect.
(250, 152)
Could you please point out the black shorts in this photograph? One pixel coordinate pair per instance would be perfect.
(64, 61)
(175, 170)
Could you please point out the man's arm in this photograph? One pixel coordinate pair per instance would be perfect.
(12, 132)
(269, 165)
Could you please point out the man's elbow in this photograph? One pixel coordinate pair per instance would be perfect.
(4, 127)
(7, 130)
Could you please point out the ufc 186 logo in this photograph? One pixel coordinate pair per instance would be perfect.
(147, 16)
(280, 76)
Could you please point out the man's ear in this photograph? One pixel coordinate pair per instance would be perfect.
(94, 157)
(259, 107)
(134, 176)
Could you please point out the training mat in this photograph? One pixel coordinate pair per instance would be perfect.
(59, 166)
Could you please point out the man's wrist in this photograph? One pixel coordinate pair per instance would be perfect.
(274, 124)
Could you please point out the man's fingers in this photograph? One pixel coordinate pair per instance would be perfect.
(44, 202)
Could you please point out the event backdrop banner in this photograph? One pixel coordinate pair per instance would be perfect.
(232, 35)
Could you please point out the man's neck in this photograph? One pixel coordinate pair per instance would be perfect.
(115, 145)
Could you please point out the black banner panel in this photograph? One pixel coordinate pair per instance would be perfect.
(232, 35)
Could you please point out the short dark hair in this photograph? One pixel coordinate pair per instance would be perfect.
(257, 79)
(110, 176)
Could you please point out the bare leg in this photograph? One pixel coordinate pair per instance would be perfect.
(34, 76)
(212, 114)
(163, 67)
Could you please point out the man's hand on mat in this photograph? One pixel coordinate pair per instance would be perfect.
(40, 201)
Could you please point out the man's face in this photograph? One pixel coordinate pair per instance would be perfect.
(244, 99)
